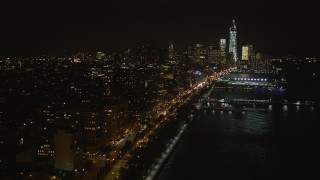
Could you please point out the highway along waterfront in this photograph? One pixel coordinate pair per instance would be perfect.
(274, 139)
(137, 160)
(145, 159)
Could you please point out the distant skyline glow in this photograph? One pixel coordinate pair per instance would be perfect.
(273, 27)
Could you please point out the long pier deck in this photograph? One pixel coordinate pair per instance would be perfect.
(266, 102)
(225, 109)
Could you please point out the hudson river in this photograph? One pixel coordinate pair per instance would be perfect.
(268, 142)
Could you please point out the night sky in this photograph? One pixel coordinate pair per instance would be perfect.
(40, 26)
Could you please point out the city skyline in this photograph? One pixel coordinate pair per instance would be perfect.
(158, 90)
(37, 27)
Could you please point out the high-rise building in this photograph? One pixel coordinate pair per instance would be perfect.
(248, 56)
(233, 42)
(214, 54)
(171, 49)
(247, 53)
(67, 151)
(223, 44)
(199, 53)
(91, 116)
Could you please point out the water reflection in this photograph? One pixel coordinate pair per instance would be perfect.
(285, 107)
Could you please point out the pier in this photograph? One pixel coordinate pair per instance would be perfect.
(256, 102)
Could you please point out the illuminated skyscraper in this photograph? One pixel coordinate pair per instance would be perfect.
(248, 56)
(233, 42)
(171, 49)
(247, 52)
(223, 45)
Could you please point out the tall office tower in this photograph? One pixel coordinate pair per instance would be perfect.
(248, 56)
(67, 151)
(91, 115)
(214, 54)
(171, 49)
(233, 42)
(247, 53)
(199, 54)
(210, 53)
(223, 45)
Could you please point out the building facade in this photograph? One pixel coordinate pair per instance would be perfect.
(171, 49)
(233, 43)
(67, 151)
(223, 45)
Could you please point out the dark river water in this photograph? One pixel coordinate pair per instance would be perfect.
(268, 142)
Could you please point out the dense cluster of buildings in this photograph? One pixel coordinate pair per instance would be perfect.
(61, 111)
